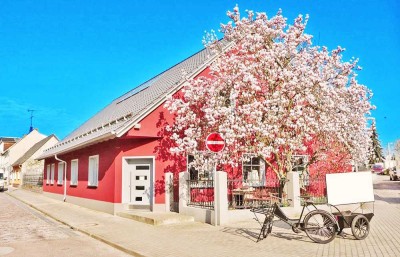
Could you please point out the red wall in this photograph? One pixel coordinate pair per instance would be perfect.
(105, 189)
(150, 140)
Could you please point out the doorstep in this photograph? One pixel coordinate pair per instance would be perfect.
(155, 218)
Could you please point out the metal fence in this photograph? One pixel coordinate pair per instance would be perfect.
(201, 193)
(314, 187)
(33, 179)
(249, 194)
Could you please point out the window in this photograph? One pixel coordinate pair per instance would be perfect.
(93, 177)
(253, 170)
(48, 174)
(60, 173)
(52, 173)
(203, 173)
(74, 172)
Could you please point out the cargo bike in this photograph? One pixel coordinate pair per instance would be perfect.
(321, 226)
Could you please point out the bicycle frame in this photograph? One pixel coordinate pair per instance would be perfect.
(319, 225)
(294, 223)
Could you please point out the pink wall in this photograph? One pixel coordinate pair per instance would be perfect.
(150, 140)
(105, 189)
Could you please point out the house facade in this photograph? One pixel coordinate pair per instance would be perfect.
(117, 159)
(5, 143)
(16, 151)
(27, 169)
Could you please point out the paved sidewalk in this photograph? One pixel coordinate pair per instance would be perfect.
(197, 239)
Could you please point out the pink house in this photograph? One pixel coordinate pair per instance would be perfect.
(117, 159)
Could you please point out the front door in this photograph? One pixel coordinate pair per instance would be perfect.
(140, 184)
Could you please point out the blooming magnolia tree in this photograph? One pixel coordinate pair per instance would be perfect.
(269, 93)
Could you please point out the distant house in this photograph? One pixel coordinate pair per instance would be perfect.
(16, 151)
(117, 159)
(5, 143)
(28, 170)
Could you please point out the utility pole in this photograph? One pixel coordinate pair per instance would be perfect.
(31, 127)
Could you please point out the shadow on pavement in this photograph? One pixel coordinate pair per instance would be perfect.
(395, 200)
(389, 185)
(248, 233)
(282, 230)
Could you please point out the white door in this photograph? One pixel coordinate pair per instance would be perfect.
(140, 184)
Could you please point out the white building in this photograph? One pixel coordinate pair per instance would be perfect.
(16, 151)
(28, 165)
(5, 143)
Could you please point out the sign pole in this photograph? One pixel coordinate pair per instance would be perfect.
(215, 191)
(215, 143)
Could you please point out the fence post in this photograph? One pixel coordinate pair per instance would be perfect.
(220, 198)
(183, 190)
(293, 188)
(168, 190)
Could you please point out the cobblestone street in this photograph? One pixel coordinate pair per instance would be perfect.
(41, 236)
(25, 232)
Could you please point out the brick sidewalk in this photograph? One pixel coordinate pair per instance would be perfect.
(238, 239)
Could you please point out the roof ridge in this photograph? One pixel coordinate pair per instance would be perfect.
(159, 74)
(31, 151)
(124, 111)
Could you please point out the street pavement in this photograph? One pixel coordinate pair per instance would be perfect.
(26, 232)
(236, 239)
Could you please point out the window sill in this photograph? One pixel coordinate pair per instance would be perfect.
(94, 187)
(73, 185)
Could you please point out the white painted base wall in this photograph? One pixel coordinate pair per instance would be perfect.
(96, 205)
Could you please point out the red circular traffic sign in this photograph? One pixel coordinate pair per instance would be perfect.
(215, 142)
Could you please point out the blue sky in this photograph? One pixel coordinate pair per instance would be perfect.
(68, 59)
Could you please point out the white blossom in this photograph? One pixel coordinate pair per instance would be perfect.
(271, 92)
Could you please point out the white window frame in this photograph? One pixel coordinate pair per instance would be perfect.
(60, 173)
(93, 171)
(255, 171)
(48, 174)
(53, 166)
(74, 172)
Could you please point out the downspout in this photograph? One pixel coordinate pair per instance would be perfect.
(20, 174)
(65, 176)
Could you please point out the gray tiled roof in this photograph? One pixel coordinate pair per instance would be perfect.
(9, 139)
(32, 150)
(125, 110)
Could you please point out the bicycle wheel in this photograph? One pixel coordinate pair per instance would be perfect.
(360, 227)
(320, 226)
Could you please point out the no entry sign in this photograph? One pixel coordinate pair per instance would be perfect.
(215, 142)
